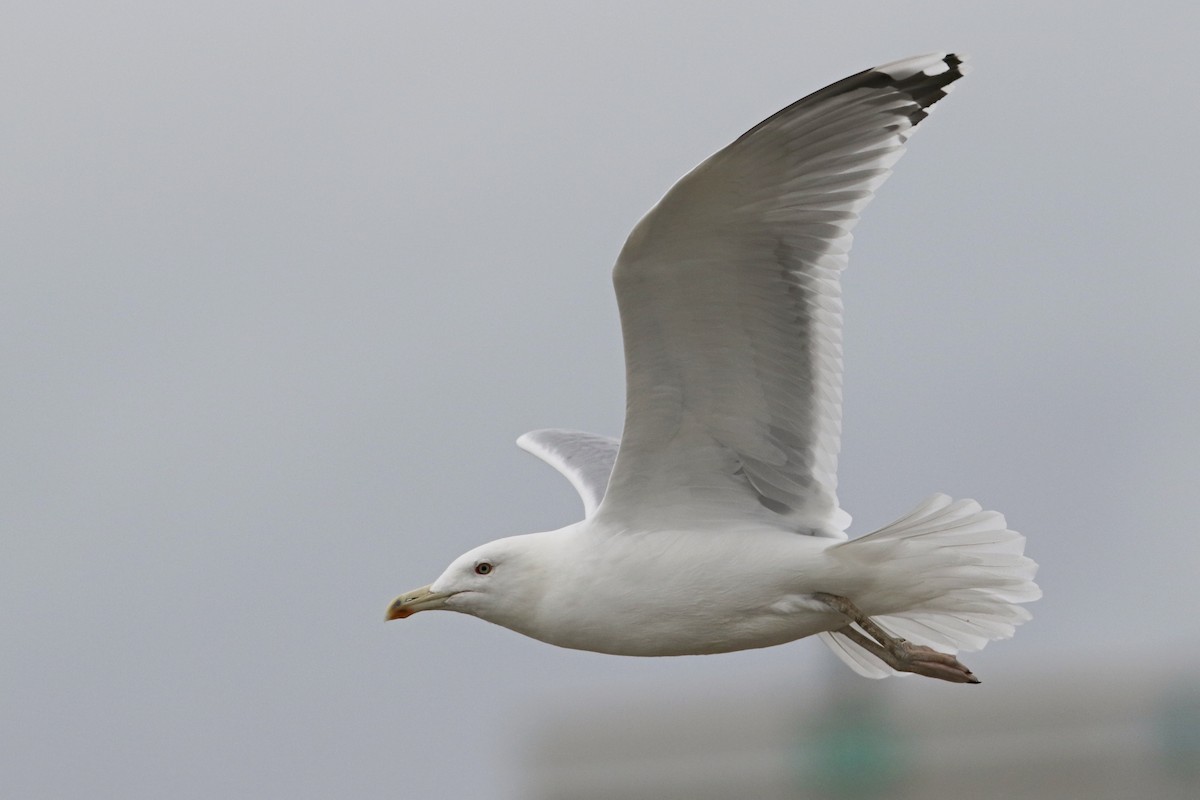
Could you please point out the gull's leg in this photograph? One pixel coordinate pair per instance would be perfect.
(900, 655)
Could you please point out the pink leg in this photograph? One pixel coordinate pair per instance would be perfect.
(900, 655)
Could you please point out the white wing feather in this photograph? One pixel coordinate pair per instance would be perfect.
(584, 459)
(731, 311)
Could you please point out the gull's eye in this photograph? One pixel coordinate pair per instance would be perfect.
(483, 568)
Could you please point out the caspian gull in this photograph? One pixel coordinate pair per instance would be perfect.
(713, 524)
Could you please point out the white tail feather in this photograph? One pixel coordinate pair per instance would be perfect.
(948, 576)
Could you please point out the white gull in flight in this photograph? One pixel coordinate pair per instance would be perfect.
(713, 525)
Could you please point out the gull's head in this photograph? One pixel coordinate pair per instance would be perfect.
(501, 581)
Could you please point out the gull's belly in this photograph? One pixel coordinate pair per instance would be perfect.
(690, 594)
(675, 630)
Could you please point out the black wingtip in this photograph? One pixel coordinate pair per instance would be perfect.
(926, 79)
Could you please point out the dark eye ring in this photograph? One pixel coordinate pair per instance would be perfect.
(483, 568)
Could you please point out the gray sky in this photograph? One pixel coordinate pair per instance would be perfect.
(281, 283)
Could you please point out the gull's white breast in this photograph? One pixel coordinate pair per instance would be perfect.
(661, 593)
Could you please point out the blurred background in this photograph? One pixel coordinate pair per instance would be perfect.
(280, 283)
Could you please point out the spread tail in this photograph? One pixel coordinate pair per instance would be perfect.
(949, 575)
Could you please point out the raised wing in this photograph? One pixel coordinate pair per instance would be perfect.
(585, 459)
(731, 311)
